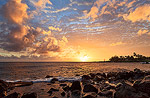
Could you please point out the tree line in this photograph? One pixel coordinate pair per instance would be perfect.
(133, 58)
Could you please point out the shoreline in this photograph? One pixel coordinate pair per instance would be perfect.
(135, 83)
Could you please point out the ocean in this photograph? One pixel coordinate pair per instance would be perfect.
(69, 71)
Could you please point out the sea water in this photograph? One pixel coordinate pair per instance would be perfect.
(64, 71)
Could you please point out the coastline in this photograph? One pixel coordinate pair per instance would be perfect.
(135, 83)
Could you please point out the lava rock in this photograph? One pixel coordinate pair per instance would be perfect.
(76, 92)
(30, 95)
(144, 87)
(54, 80)
(53, 89)
(48, 76)
(90, 95)
(50, 92)
(86, 77)
(67, 88)
(63, 84)
(76, 85)
(90, 88)
(106, 93)
(13, 95)
(63, 94)
(127, 91)
(98, 78)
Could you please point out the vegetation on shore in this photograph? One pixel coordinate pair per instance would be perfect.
(133, 58)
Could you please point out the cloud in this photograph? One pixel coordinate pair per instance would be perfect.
(54, 29)
(42, 3)
(117, 44)
(15, 11)
(22, 37)
(140, 13)
(141, 32)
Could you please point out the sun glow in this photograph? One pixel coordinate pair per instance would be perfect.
(84, 58)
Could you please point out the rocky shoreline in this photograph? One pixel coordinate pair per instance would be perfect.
(125, 84)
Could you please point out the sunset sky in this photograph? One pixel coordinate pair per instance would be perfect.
(73, 30)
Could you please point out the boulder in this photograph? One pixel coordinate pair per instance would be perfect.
(86, 77)
(54, 80)
(90, 88)
(127, 91)
(90, 95)
(22, 84)
(63, 94)
(29, 95)
(48, 76)
(144, 87)
(53, 89)
(76, 92)
(106, 94)
(92, 75)
(76, 85)
(13, 95)
(67, 88)
(63, 84)
(98, 78)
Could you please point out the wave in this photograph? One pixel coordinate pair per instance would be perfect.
(47, 80)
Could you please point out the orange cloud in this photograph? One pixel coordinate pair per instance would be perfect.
(15, 11)
(140, 13)
(54, 29)
(141, 32)
(117, 44)
(42, 3)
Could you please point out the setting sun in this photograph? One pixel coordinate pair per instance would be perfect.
(84, 58)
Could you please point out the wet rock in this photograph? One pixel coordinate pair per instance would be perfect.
(111, 74)
(110, 87)
(48, 76)
(127, 91)
(3, 88)
(53, 89)
(63, 84)
(22, 84)
(76, 92)
(63, 94)
(144, 87)
(146, 78)
(55, 97)
(13, 95)
(50, 92)
(106, 93)
(76, 85)
(29, 95)
(98, 78)
(137, 70)
(136, 84)
(92, 75)
(54, 80)
(123, 75)
(86, 77)
(67, 88)
(90, 88)
(90, 95)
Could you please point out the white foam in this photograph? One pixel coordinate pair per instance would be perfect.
(69, 79)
